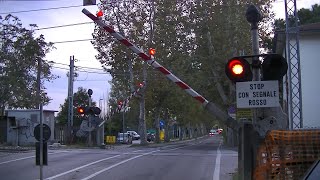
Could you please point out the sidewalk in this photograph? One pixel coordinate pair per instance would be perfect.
(229, 162)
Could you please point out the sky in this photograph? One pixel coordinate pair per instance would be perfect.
(83, 51)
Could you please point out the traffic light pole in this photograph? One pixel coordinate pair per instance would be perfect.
(89, 119)
(40, 116)
(249, 143)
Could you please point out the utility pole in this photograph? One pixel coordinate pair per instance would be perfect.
(248, 142)
(70, 98)
(40, 116)
(90, 92)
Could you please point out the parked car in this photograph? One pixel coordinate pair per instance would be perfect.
(127, 139)
(134, 135)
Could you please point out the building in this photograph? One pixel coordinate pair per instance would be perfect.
(309, 41)
(19, 125)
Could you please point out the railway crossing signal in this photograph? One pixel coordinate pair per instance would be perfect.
(274, 67)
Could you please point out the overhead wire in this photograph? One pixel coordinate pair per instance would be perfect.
(65, 25)
(55, 8)
(60, 42)
(44, 9)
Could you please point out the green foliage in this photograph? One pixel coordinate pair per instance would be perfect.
(80, 98)
(20, 52)
(306, 16)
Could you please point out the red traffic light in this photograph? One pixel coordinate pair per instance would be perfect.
(152, 51)
(140, 84)
(81, 110)
(236, 67)
(99, 13)
(120, 103)
(238, 70)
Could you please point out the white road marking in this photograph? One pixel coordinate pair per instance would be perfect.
(117, 164)
(216, 174)
(139, 150)
(28, 157)
(80, 167)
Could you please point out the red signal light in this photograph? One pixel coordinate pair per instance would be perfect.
(152, 51)
(80, 110)
(238, 70)
(99, 13)
(236, 67)
(140, 84)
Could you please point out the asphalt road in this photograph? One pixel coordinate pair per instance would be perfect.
(203, 159)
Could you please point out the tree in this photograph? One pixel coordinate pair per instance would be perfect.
(306, 16)
(80, 98)
(20, 52)
(193, 39)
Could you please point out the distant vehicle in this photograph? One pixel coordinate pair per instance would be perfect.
(213, 132)
(134, 135)
(127, 139)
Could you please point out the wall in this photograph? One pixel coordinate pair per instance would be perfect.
(310, 78)
(26, 121)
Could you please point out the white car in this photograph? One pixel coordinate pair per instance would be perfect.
(134, 135)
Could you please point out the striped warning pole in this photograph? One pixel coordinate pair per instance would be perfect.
(120, 106)
(147, 58)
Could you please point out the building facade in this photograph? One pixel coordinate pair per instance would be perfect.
(21, 124)
(309, 41)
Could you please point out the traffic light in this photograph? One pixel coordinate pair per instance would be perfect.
(152, 51)
(99, 13)
(140, 84)
(94, 111)
(81, 110)
(238, 70)
(89, 110)
(274, 67)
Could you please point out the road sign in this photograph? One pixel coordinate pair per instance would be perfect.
(46, 132)
(257, 94)
(110, 139)
(244, 113)
(161, 123)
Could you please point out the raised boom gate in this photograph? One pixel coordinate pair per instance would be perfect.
(209, 106)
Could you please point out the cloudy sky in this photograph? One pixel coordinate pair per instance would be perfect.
(83, 51)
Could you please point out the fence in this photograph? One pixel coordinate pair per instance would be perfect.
(287, 154)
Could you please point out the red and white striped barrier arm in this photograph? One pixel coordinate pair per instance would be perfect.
(147, 58)
(128, 98)
(123, 104)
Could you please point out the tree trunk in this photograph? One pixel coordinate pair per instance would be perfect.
(180, 133)
(142, 122)
(157, 125)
